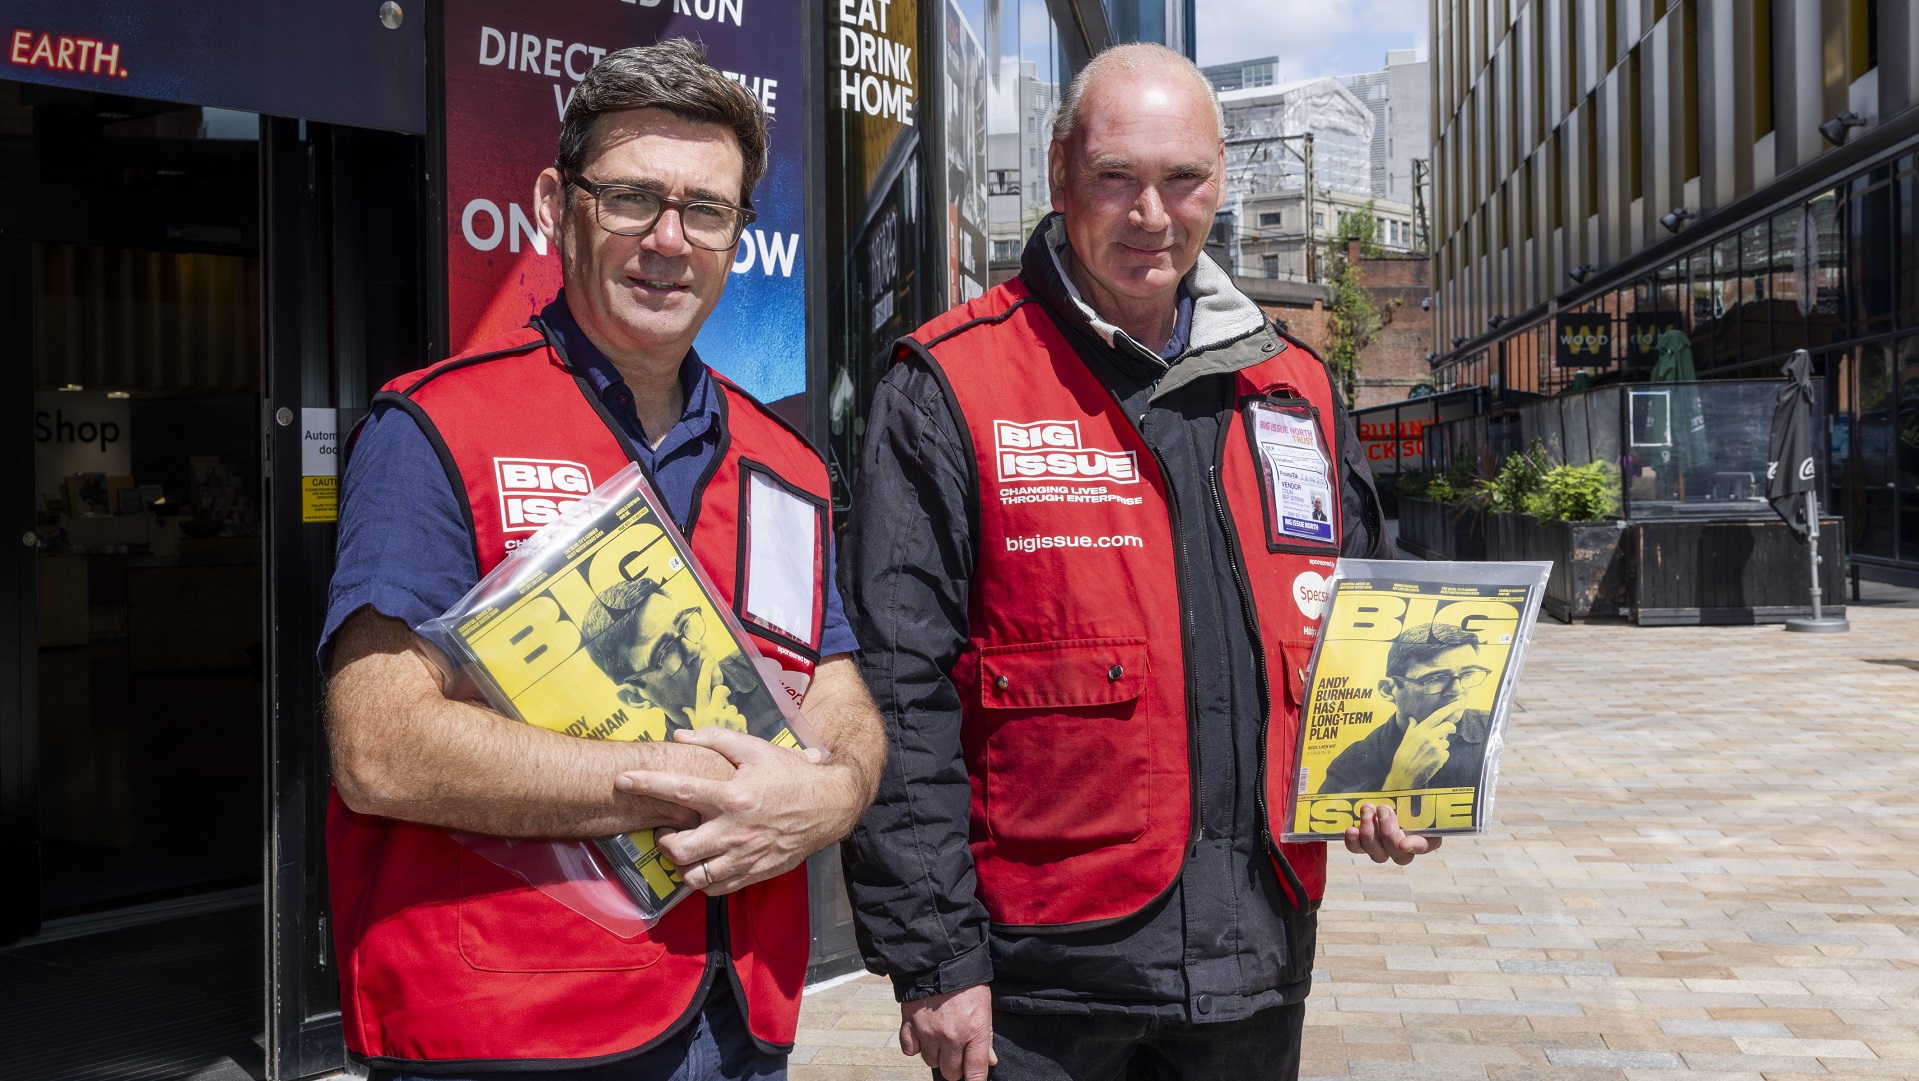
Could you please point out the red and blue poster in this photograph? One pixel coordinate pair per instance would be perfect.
(511, 68)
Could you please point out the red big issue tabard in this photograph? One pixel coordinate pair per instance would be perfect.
(1077, 728)
(443, 955)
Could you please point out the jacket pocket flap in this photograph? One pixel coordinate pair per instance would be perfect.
(1078, 672)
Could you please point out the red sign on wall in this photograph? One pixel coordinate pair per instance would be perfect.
(1386, 440)
(61, 52)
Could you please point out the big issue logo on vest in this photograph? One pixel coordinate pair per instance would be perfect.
(1076, 727)
(445, 956)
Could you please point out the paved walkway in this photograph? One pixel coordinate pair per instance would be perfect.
(1705, 866)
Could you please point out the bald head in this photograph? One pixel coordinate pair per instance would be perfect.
(1139, 66)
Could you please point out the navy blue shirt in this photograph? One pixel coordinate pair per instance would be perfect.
(1182, 326)
(403, 545)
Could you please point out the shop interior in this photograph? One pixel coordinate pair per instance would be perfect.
(137, 236)
(146, 432)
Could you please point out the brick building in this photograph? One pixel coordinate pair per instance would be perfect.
(1395, 361)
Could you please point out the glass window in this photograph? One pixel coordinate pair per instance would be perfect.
(1727, 297)
(1755, 258)
(1906, 248)
(1873, 448)
(1787, 281)
(1272, 217)
(1905, 421)
(1872, 236)
(1829, 270)
(1269, 265)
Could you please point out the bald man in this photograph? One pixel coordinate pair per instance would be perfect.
(1083, 566)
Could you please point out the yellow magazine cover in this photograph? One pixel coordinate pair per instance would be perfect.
(1407, 696)
(603, 626)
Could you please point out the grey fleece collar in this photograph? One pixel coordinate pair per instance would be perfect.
(1221, 313)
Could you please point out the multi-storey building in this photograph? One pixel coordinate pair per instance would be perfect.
(1744, 170)
(1269, 230)
(1243, 74)
(1400, 98)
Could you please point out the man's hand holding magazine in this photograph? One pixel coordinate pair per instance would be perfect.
(781, 804)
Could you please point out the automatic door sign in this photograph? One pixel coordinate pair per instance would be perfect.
(1585, 340)
(319, 465)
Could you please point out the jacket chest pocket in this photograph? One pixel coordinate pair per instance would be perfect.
(1067, 752)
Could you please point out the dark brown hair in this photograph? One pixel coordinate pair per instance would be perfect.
(672, 76)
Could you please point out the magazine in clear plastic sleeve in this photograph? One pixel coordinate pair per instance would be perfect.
(603, 626)
(1408, 694)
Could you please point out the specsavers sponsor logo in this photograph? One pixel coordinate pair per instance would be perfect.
(1050, 450)
(1038, 541)
(535, 491)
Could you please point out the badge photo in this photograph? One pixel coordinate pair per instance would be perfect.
(1290, 451)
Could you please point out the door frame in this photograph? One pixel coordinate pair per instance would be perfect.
(19, 605)
(303, 1034)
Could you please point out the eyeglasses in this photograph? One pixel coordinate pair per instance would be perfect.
(624, 210)
(1465, 679)
(674, 648)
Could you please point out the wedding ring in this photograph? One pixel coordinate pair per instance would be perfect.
(709, 874)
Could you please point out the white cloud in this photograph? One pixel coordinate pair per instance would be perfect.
(1311, 37)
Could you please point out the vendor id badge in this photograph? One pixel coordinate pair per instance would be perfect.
(1291, 452)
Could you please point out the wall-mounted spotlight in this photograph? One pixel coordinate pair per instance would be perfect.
(1678, 217)
(1836, 129)
(1425, 304)
(1580, 273)
(1493, 321)
(1460, 340)
(1430, 357)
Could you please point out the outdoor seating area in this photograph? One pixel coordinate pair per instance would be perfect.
(1649, 499)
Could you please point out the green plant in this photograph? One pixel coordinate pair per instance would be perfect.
(1518, 485)
(1580, 493)
(1451, 485)
(1412, 482)
(1361, 225)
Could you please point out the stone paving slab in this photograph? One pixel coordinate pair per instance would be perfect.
(1705, 867)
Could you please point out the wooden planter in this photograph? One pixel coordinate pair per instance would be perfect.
(1430, 529)
(1592, 571)
(1733, 572)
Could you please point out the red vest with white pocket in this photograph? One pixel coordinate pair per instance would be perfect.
(445, 957)
(1077, 729)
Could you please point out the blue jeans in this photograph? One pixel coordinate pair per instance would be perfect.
(714, 1046)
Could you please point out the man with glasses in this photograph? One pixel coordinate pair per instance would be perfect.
(641, 636)
(451, 966)
(1432, 740)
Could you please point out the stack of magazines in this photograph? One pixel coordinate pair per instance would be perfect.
(603, 626)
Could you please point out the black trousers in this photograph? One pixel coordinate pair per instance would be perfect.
(1046, 1047)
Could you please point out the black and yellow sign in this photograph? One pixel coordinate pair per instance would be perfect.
(1584, 340)
(319, 499)
(1642, 335)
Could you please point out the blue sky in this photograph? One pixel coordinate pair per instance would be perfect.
(1310, 37)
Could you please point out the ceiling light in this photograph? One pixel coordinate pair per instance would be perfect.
(1839, 127)
(73, 386)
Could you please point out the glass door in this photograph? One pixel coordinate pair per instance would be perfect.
(1904, 440)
